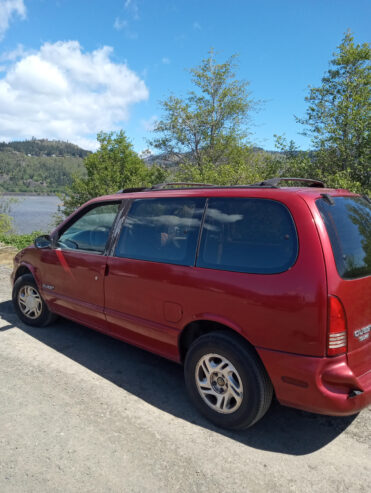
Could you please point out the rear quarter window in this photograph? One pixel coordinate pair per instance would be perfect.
(348, 225)
(256, 236)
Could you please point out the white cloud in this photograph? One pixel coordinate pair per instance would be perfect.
(150, 123)
(165, 60)
(8, 56)
(123, 25)
(62, 92)
(132, 7)
(8, 9)
(132, 13)
(120, 24)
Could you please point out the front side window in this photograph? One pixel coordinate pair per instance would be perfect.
(348, 224)
(162, 230)
(90, 232)
(256, 236)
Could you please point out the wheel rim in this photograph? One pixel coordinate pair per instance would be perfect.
(219, 383)
(29, 302)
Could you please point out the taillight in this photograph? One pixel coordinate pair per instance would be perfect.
(337, 328)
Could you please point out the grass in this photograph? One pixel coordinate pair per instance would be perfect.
(19, 241)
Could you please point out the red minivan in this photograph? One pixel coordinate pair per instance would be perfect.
(257, 290)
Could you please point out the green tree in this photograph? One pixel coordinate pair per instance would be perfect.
(242, 166)
(202, 127)
(115, 165)
(338, 113)
(292, 162)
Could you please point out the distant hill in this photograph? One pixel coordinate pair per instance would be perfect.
(44, 147)
(39, 166)
(173, 160)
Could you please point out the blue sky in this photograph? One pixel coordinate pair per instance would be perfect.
(69, 68)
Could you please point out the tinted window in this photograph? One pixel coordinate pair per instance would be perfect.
(162, 230)
(248, 235)
(348, 224)
(91, 231)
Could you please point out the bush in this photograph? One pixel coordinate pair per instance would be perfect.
(6, 224)
(19, 241)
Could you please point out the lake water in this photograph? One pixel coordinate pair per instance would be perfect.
(34, 213)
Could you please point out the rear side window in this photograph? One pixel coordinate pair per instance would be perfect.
(162, 230)
(256, 236)
(348, 224)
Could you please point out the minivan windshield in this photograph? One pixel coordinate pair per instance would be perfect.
(348, 224)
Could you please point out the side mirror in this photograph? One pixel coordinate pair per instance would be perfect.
(43, 241)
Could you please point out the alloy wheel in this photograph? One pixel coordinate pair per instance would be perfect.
(219, 383)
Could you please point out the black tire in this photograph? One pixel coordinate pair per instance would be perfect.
(257, 391)
(45, 317)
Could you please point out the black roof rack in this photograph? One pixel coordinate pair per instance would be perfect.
(275, 181)
(270, 183)
(161, 186)
(164, 186)
(133, 189)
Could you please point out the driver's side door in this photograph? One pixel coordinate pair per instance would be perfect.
(72, 272)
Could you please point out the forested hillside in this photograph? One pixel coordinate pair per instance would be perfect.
(44, 147)
(39, 166)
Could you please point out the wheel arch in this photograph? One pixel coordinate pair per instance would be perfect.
(198, 328)
(46, 316)
(23, 269)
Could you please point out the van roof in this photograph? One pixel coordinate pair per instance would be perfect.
(306, 193)
(313, 189)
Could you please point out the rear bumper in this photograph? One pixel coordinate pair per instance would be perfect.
(319, 385)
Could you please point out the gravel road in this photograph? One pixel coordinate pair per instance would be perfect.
(80, 412)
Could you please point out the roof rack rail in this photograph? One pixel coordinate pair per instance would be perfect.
(270, 183)
(161, 186)
(275, 181)
(133, 189)
(164, 186)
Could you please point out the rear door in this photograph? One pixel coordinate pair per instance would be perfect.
(153, 258)
(347, 248)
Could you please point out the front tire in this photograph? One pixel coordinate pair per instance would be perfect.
(226, 381)
(29, 304)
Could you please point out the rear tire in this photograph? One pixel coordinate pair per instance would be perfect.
(226, 381)
(29, 304)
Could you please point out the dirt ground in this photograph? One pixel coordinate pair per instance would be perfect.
(6, 255)
(81, 412)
